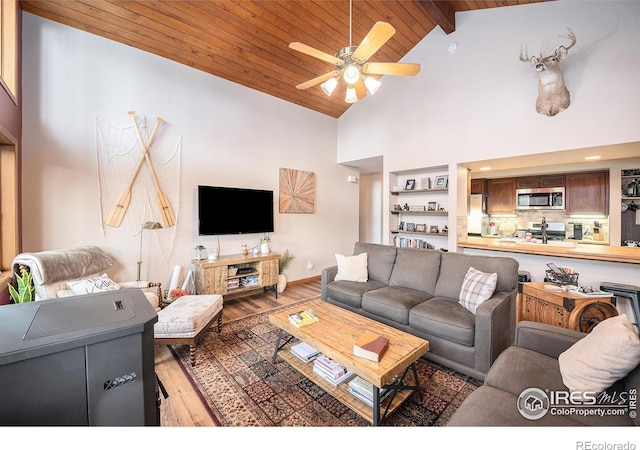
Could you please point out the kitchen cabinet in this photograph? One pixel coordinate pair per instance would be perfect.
(540, 181)
(501, 196)
(587, 193)
(479, 186)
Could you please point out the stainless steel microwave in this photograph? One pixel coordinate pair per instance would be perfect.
(542, 198)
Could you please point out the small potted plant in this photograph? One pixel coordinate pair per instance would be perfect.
(285, 261)
(264, 245)
(26, 292)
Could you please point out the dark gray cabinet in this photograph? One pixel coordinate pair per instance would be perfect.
(84, 360)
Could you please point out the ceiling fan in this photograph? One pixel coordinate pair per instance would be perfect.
(351, 63)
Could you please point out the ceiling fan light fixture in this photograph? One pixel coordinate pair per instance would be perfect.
(351, 73)
(351, 96)
(371, 84)
(329, 86)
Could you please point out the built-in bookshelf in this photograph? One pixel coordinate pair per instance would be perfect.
(419, 207)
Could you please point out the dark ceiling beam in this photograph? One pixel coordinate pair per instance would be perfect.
(440, 13)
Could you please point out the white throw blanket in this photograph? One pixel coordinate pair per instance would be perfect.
(60, 265)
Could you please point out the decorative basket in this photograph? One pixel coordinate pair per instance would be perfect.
(562, 280)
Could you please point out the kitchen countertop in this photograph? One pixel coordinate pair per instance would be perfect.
(564, 249)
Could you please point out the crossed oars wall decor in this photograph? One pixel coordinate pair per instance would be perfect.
(119, 208)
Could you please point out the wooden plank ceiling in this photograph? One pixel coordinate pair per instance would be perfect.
(246, 41)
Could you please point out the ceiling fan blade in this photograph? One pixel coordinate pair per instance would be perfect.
(380, 33)
(300, 47)
(318, 80)
(361, 90)
(402, 69)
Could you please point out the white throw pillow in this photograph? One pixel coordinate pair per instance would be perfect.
(92, 285)
(477, 288)
(602, 357)
(352, 268)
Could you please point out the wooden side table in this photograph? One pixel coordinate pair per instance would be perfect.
(562, 309)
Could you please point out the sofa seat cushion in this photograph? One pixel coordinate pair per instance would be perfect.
(517, 369)
(491, 407)
(393, 303)
(350, 293)
(445, 318)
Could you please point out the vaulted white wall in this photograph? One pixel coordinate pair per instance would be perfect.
(232, 136)
(479, 103)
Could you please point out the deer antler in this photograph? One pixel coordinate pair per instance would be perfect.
(524, 54)
(572, 37)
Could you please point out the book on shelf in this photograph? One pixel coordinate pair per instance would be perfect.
(363, 390)
(304, 351)
(303, 318)
(330, 378)
(370, 346)
(329, 367)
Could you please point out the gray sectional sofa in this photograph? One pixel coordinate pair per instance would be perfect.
(417, 291)
(533, 363)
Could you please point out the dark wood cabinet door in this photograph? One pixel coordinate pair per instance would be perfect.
(532, 182)
(478, 185)
(587, 193)
(501, 193)
(552, 181)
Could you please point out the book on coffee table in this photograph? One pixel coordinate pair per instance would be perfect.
(370, 346)
(303, 318)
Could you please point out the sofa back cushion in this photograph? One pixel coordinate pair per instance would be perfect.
(454, 267)
(416, 269)
(380, 260)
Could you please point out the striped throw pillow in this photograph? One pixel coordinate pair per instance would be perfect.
(477, 288)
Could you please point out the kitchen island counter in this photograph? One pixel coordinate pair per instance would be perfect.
(563, 249)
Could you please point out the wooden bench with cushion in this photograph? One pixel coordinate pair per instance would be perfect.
(186, 320)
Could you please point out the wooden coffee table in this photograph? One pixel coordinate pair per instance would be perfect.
(334, 336)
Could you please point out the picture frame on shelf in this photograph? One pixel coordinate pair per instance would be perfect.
(432, 206)
(434, 229)
(441, 181)
(411, 226)
(410, 185)
(421, 227)
(425, 183)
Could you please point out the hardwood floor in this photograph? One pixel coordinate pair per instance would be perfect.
(183, 407)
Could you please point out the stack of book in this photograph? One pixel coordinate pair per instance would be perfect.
(250, 280)
(331, 371)
(304, 351)
(233, 283)
(303, 318)
(363, 390)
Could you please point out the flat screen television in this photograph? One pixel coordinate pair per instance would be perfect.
(227, 210)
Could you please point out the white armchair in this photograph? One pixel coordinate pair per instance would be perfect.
(68, 272)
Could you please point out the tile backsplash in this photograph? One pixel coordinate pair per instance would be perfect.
(523, 220)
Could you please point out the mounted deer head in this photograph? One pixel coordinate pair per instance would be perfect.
(553, 96)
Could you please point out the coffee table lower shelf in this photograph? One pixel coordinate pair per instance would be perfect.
(342, 394)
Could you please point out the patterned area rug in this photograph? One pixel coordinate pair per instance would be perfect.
(241, 387)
